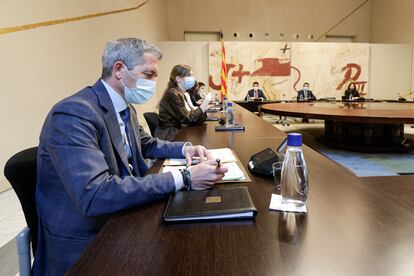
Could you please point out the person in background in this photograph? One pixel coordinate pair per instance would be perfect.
(189, 98)
(198, 95)
(255, 93)
(193, 95)
(351, 92)
(91, 153)
(305, 94)
(173, 108)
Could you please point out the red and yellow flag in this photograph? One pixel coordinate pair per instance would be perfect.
(223, 69)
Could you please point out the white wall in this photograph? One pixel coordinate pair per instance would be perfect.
(390, 70)
(392, 22)
(194, 54)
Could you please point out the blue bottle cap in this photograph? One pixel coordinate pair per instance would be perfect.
(294, 140)
(230, 104)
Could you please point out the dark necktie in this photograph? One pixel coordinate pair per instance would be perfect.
(126, 117)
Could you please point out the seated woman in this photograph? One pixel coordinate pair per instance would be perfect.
(194, 94)
(351, 92)
(199, 93)
(174, 111)
(189, 96)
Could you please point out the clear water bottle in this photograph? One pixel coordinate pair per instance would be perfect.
(294, 175)
(224, 104)
(229, 114)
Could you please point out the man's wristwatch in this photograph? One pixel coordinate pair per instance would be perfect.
(186, 179)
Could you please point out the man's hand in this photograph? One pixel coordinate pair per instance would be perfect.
(206, 174)
(196, 151)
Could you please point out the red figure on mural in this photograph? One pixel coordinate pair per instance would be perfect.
(210, 78)
(348, 77)
(240, 73)
(273, 67)
(348, 74)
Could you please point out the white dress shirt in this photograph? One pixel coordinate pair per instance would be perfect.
(120, 104)
(188, 102)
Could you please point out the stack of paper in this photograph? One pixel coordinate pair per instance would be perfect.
(226, 157)
(234, 172)
(224, 154)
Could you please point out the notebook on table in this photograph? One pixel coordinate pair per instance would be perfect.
(236, 171)
(215, 204)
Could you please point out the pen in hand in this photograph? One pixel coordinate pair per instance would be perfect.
(218, 163)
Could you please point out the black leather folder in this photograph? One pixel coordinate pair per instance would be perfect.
(215, 204)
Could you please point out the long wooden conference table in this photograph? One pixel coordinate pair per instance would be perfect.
(354, 226)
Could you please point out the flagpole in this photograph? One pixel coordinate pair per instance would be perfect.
(223, 71)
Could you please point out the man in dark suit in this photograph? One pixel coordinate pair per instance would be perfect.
(305, 94)
(255, 93)
(91, 157)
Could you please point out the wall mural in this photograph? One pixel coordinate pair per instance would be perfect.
(281, 68)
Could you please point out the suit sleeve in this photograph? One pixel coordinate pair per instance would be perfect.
(298, 96)
(247, 95)
(156, 148)
(73, 145)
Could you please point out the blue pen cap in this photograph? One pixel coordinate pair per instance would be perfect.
(294, 140)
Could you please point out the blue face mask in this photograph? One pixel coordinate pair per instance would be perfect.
(140, 94)
(189, 82)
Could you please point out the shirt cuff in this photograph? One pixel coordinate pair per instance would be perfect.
(178, 180)
(186, 144)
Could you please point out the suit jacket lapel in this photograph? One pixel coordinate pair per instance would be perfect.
(111, 121)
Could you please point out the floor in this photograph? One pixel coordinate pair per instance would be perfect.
(11, 223)
(361, 164)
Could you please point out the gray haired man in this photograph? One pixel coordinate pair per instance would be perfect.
(91, 157)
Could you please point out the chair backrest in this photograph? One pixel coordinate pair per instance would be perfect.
(153, 121)
(21, 171)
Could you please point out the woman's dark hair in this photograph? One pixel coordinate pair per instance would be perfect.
(179, 70)
(349, 86)
(201, 84)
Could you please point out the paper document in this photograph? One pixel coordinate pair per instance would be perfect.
(234, 171)
(277, 203)
(224, 154)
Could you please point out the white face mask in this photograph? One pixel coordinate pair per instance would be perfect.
(189, 82)
(305, 88)
(140, 94)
